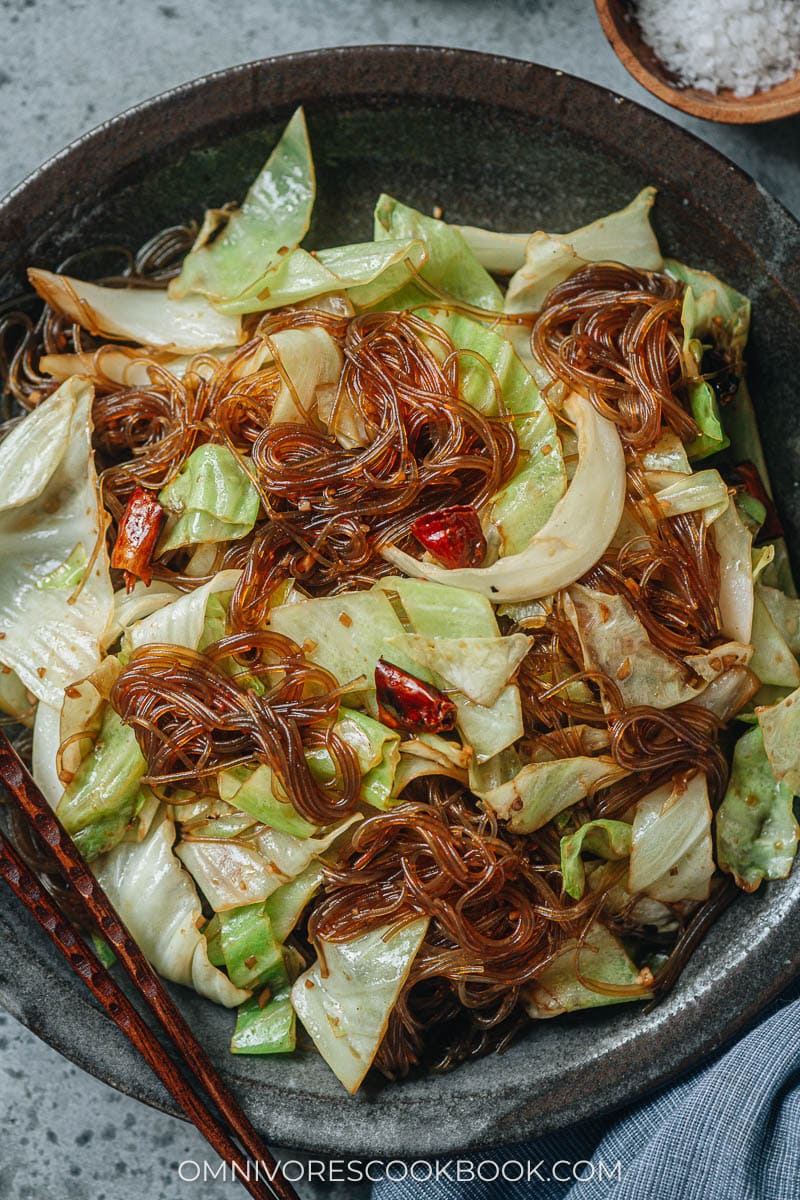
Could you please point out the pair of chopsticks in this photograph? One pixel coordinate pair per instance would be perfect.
(221, 1121)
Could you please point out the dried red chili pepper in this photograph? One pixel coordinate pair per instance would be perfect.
(405, 702)
(745, 476)
(137, 535)
(453, 535)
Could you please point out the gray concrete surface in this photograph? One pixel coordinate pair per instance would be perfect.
(66, 65)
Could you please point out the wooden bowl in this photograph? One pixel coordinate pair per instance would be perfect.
(622, 30)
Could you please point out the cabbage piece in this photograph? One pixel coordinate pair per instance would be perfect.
(249, 946)
(49, 506)
(526, 501)
(372, 271)
(258, 793)
(625, 236)
(346, 635)
(742, 429)
(100, 802)
(575, 536)
(761, 559)
(785, 613)
(413, 766)
(147, 808)
(273, 218)
(460, 614)
(438, 749)
(485, 776)
(772, 661)
(671, 856)
(247, 870)
(144, 315)
(499, 253)
(753, 514)
(701, 491)
(287, 903)
(641, 910)
(373, 742)
(140, 602)
(44, 757)
(668, 454)
(479, 668)
(429, 754)
(220, 821)
(713, 314)
(82, 713)
(15, 700)
(696, 320)
(267, 1028)
(705, 410)
(720, 659)
(68, 574)
(378, 752)
(780, 730)
(728, 693)
(541, 790)
(716, 313)
(451, 267)
(558, 989)
(34, 449)
(103, 951)
(159, 904)
(125, 365)
(615, 641)
(585, 739)
(528, 614)
(434, 609)
(310, 363)
(756, 829)
(736, 597)
(345, 1005)
(76, 727)
(211, 499)
(488, 730)
(366, 271)
(181, 622)
(607, 839)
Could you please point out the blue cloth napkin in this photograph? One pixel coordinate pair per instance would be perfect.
(729, 1130)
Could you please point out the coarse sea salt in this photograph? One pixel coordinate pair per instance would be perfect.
(744, 45)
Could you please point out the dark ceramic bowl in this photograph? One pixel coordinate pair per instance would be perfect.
(514, 146)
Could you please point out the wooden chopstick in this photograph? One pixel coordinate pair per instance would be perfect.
(104, 988)
(262, 1176)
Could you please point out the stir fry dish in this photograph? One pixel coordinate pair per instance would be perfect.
(404, 631)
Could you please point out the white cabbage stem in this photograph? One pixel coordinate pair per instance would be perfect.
(578, 532)
(145, 315)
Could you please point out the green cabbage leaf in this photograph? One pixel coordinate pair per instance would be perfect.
(610, 840)
(345, 1003)
(756, 828)
(147, 316)
(236, 251)
(158, 902)
(625, 237)
(671, 851)
(539, 791)
(50, 512)
(450, 267)
(559, 988)
(211, 499)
